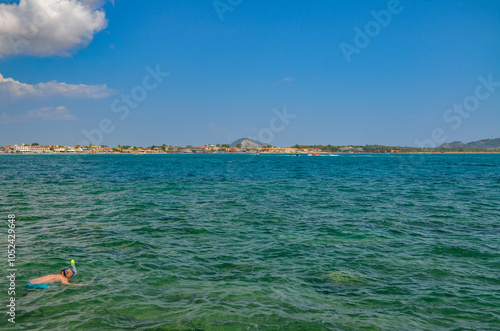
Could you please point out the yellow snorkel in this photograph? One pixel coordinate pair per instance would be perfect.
(74, 268)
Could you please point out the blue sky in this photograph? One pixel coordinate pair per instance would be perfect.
(234, 66)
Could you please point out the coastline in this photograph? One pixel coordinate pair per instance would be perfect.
(255, 154)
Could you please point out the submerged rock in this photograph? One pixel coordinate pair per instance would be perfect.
(346, 277)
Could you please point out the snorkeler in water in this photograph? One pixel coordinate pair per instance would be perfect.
(49, 280)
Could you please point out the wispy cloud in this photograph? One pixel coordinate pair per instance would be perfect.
(284, 80)
(15, 89)
(50, 113)
(49, 27)
(4, 117)
(213, 127)
(60, 113)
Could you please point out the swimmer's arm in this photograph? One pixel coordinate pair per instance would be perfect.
(65, 282)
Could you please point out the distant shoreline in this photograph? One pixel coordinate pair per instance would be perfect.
(252, 154)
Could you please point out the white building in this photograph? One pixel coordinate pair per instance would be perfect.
(27, 149)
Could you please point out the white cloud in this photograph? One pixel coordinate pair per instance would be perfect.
(287, 79)
(49, 27)
(60, 113)
(16, 89)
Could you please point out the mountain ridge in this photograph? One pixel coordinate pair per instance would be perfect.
(484, 143)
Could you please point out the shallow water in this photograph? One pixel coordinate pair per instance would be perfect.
(228, 242)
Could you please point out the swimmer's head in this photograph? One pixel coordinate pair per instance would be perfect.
(67, 272)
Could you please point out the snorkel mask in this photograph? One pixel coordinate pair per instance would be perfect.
(74, 269)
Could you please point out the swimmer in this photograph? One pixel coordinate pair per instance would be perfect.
(49, 280)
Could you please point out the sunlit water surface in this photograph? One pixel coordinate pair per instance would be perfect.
(230, 242)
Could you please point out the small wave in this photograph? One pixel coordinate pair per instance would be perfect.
(461, 251)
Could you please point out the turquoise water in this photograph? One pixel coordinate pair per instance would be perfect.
(232, 242)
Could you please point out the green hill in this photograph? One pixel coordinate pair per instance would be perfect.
(247, 142)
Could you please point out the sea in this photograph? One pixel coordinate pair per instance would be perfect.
(254, 242)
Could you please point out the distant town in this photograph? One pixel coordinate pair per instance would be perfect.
(163, 149)
(249, 146)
